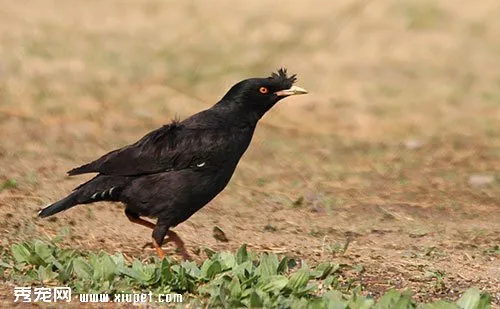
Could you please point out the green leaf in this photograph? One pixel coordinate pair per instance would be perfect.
(272, 283)
(165, 272)
(314, 303)
(405, 301)
(268, 265)
(104, 268)
(440, 304)
(363, 303)
(144, 274)
(333, 295)
(45, 273)
(134, 274)
(395, 299)
(389, 299)
(484, 301)
(184, 280)
(64, 270)
(242, 254)
(204, 268)
(21, 253)
(283, 266)
(227, 260)
(256, 300)
(331, 281)
(214, 269)
(298, 280)
(66, 256)
(235, 288)
(81, 268)
(118, 259)
(244, 272)
(191, 268)
(324, 269)
(471, 299)
(43, 251)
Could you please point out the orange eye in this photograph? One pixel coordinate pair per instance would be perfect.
(263, 90)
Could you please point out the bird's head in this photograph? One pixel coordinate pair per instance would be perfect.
(258, 95)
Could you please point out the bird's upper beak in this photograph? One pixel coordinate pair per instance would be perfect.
(291, 91)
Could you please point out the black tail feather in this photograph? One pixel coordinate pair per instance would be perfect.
(66, 203)
(99, 188)
(87, 168)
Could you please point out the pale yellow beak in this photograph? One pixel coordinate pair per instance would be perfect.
(294, 90)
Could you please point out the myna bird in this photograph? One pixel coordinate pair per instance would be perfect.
(174, 171)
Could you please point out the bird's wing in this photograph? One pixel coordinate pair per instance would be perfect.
(171, 147)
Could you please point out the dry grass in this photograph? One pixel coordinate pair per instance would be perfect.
(404, 108)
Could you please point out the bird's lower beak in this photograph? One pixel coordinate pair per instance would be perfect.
(291, 91)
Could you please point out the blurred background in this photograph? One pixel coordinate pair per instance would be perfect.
(391, 161)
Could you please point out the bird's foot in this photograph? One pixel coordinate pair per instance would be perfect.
(181, 249)
(159, 250)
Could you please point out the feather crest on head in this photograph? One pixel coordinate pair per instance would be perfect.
(282, 77)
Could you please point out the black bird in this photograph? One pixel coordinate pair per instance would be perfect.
(174, 171)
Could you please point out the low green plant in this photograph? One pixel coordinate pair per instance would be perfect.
(244, 279)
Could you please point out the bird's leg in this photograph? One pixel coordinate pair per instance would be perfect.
(172, 236)
(133, 217)
(159, 233)
(159, 250)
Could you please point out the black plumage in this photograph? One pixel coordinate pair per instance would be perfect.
(175, 170)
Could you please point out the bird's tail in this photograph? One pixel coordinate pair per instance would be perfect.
(66, 203)
(99, 188)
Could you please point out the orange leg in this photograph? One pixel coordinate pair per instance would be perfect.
(159, 250)
(172, 236)
(140, 221)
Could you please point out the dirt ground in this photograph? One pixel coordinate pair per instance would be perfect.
(393, 156)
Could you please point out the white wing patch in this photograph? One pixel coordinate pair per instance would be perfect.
(103, 194)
